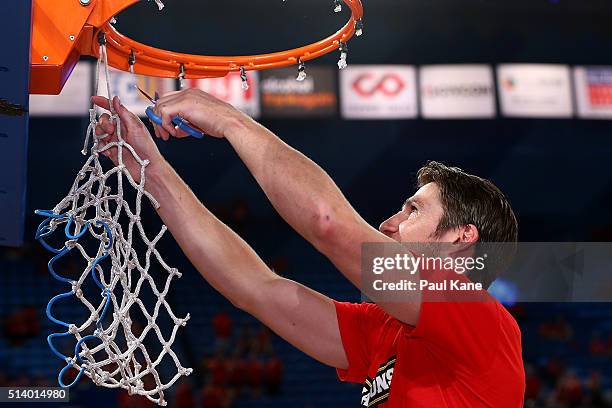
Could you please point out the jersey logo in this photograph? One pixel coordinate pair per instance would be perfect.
(376, 390)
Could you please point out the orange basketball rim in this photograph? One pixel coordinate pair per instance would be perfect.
(64, 30)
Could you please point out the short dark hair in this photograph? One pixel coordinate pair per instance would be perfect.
(469, 199)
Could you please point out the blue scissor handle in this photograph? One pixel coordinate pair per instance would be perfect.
(178, 121)
(184, 126)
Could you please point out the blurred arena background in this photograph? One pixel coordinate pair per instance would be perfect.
(555, 171)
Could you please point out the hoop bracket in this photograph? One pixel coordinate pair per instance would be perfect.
(62, 31)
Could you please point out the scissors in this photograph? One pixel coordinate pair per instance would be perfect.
(179, 122)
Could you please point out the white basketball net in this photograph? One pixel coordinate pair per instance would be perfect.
(95, 207)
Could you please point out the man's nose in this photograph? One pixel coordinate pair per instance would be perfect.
(390, 225)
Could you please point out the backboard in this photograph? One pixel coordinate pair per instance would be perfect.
(14, 94)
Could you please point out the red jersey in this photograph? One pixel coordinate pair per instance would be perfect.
(460, 354)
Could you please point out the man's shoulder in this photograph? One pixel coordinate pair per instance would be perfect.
(374, 313)
(372, 309)
(505, 325)
(507, 321)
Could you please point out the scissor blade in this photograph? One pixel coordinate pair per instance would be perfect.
(146, 95)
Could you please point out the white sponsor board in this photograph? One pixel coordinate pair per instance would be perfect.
(229, 89)
(378, 92)
(457, 91)
(123, 84)
(535, 90)
(74, 100)
(594, 92)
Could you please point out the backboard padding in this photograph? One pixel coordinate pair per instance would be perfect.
(15, 33)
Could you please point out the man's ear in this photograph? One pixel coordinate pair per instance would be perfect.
(469, 234)
(465, 234)
(466, 237)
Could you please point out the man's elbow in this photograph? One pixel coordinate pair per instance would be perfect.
(255, 296)
(242, 304)
(323, 221)
(242, 297)
(338, 234)
(326, 226)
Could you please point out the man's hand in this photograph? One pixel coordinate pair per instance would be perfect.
(203, 110)
(133, 132)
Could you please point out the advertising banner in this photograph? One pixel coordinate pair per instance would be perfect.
(282, 96)
(535, 90)
(457, 91)
(594, 92)
(378, 92)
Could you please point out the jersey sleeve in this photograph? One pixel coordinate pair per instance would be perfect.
(465, 335)
(359, 324)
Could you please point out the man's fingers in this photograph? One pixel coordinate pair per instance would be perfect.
(166, 116)
(182, 94)
(174, 106)
(111, 153)
(107, 153)
(154, 129)
(165, 96)
(161, 132)
(127, 117)
(181, 133)
(101, 102)
(106, 125)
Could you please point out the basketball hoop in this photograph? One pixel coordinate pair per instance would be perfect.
(53, 62)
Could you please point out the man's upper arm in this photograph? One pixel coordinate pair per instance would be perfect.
(342, 245)
(305, 318)
(342, 242)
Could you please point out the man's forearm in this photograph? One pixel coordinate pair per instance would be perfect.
(219, 254)
(303, 194)
(300, 315)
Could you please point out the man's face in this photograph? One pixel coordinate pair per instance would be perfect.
(418, 219)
